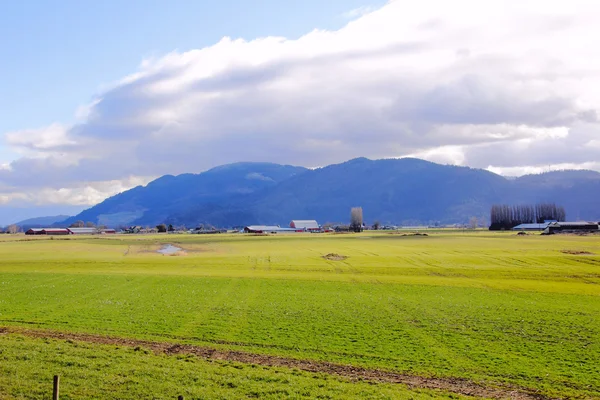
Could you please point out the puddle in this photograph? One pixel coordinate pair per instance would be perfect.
(169, 249)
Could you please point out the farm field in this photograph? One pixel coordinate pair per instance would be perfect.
(495, 309)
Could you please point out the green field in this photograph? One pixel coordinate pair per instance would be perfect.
(493, 308)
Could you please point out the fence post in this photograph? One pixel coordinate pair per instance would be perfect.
(55, 388)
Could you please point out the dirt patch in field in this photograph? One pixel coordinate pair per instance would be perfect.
(334, 257)
(408, 234)
(577, 252)
(453, 385)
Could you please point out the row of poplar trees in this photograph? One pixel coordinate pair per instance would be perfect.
(505, 216)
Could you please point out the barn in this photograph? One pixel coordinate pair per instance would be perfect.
(305, 225)
(82, 231)
(531, 227)
(47, 231)
(557, 227)
(267, 229)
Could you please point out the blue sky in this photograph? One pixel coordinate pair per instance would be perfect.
(56, 55)
(97, 97)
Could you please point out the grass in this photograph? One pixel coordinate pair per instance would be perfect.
(481, 306)
(92, 371)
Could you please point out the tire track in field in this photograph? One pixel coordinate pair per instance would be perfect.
(453, 385)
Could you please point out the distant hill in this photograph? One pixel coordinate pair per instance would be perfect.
(398, 191)
(41, 222)
(169, 195)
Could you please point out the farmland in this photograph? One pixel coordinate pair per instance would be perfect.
(495, 309)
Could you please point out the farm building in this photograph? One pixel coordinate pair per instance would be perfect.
(267, 229)
(82, 231)
(108, 231)
(557, 227)
(532, 227)
(305, 225)
(47, 231)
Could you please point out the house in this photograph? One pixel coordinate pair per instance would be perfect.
(83, 231)
(267, 229)
(134, 229)
(305, 225)
(558, 227)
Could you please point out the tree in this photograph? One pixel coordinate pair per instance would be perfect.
(90, 224)
(356, 219)
(77, 224)
(473, 222)
(376, 225)
(162, 228)
(12, 228)
(171, 229)
(507, 217)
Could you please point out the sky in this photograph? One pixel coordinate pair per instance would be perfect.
(99, 97)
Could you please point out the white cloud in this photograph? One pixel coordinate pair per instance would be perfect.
(358, 12)
(508, 85)
(538, 169)
(82, 194)
(40, 140)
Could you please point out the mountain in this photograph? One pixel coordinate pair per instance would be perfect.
(41, 222)
(399, 191)
(168, 195)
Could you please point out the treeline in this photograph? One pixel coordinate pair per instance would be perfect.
(505, 216)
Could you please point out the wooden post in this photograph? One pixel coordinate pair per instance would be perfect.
(55, 389)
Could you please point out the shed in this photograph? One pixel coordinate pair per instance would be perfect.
(305, 225)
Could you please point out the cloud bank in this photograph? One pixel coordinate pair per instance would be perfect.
(504, 85)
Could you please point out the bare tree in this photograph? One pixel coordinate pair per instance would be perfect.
(90, 224)
(473, 222)
(356, 219)
(12, 228)
(376, 225)
(77, 224)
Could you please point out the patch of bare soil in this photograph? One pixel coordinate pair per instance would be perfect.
(453, 385)
(577, 252)
(334, 257)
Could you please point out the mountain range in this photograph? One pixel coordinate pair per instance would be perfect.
(41, 222)
(395, 191)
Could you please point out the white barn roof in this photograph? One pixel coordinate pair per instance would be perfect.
(82, 231)
(304, 224)
(267, 228)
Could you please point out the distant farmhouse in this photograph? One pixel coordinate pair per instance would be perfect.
(68, 231)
